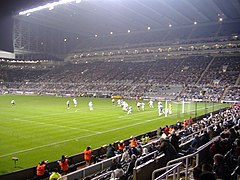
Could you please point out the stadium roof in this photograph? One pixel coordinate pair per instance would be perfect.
(104, 17)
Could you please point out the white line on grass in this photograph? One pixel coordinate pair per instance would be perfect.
(55, 125)
(76, 139)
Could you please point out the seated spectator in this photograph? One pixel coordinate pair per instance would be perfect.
(54, 175)
(196, 173)
(125, 155)
(131, 165)
(133, 142)
(220, 168)
(110, 151)
(194, 144)
(118, 172)
(145, 139)
(121, 146)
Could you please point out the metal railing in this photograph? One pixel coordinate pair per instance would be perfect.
(90, 170)
(186, 159)
(154, 153)
(174, 167)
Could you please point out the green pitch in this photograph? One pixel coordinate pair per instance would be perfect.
(43, 128)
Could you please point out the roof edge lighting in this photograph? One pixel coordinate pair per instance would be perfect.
(46, 6)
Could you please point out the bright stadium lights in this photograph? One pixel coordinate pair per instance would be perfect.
(220, 19)
(95, 35)
(111, 33)
(65, 40)
(195, 22)
(49, 6)
(148, 28)
(169, 25)
(128, 31)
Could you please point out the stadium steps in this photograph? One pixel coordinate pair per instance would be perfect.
(238, 80)
(204, 72)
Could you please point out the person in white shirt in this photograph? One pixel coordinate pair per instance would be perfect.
(68, 104)
(90, 105)
(75, 102)
(151, 104)
(143, 106)
(130, 110)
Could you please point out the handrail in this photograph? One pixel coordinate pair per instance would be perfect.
(174, 167)
(143, 157)
(91, 166)
(182, 140)
(104, 174)
(187, 157)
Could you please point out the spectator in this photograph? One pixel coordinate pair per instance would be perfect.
(54, 175)
(220, 168)
(110, 151)
(121, 146)
(125, 155)
(167, 148)
(196, 173)
(133, 142)
(131, 165)
(194, 144)
(118, 172)
(174, 140)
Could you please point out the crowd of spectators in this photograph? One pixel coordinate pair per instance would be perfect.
(138, 151)
(195, 77)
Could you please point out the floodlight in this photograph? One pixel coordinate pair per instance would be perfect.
(49, 6)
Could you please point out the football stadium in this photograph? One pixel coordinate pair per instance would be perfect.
(120, 89)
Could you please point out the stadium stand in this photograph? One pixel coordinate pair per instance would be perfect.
(185, 62)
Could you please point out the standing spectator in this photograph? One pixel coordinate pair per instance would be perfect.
(110, 151)
(42, 170)
(174, 140)
(64, 164)
(88, 155)
(167, 148)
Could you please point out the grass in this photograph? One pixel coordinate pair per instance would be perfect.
(42, 128)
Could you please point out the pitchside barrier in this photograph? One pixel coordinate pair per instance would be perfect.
(78, 159)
